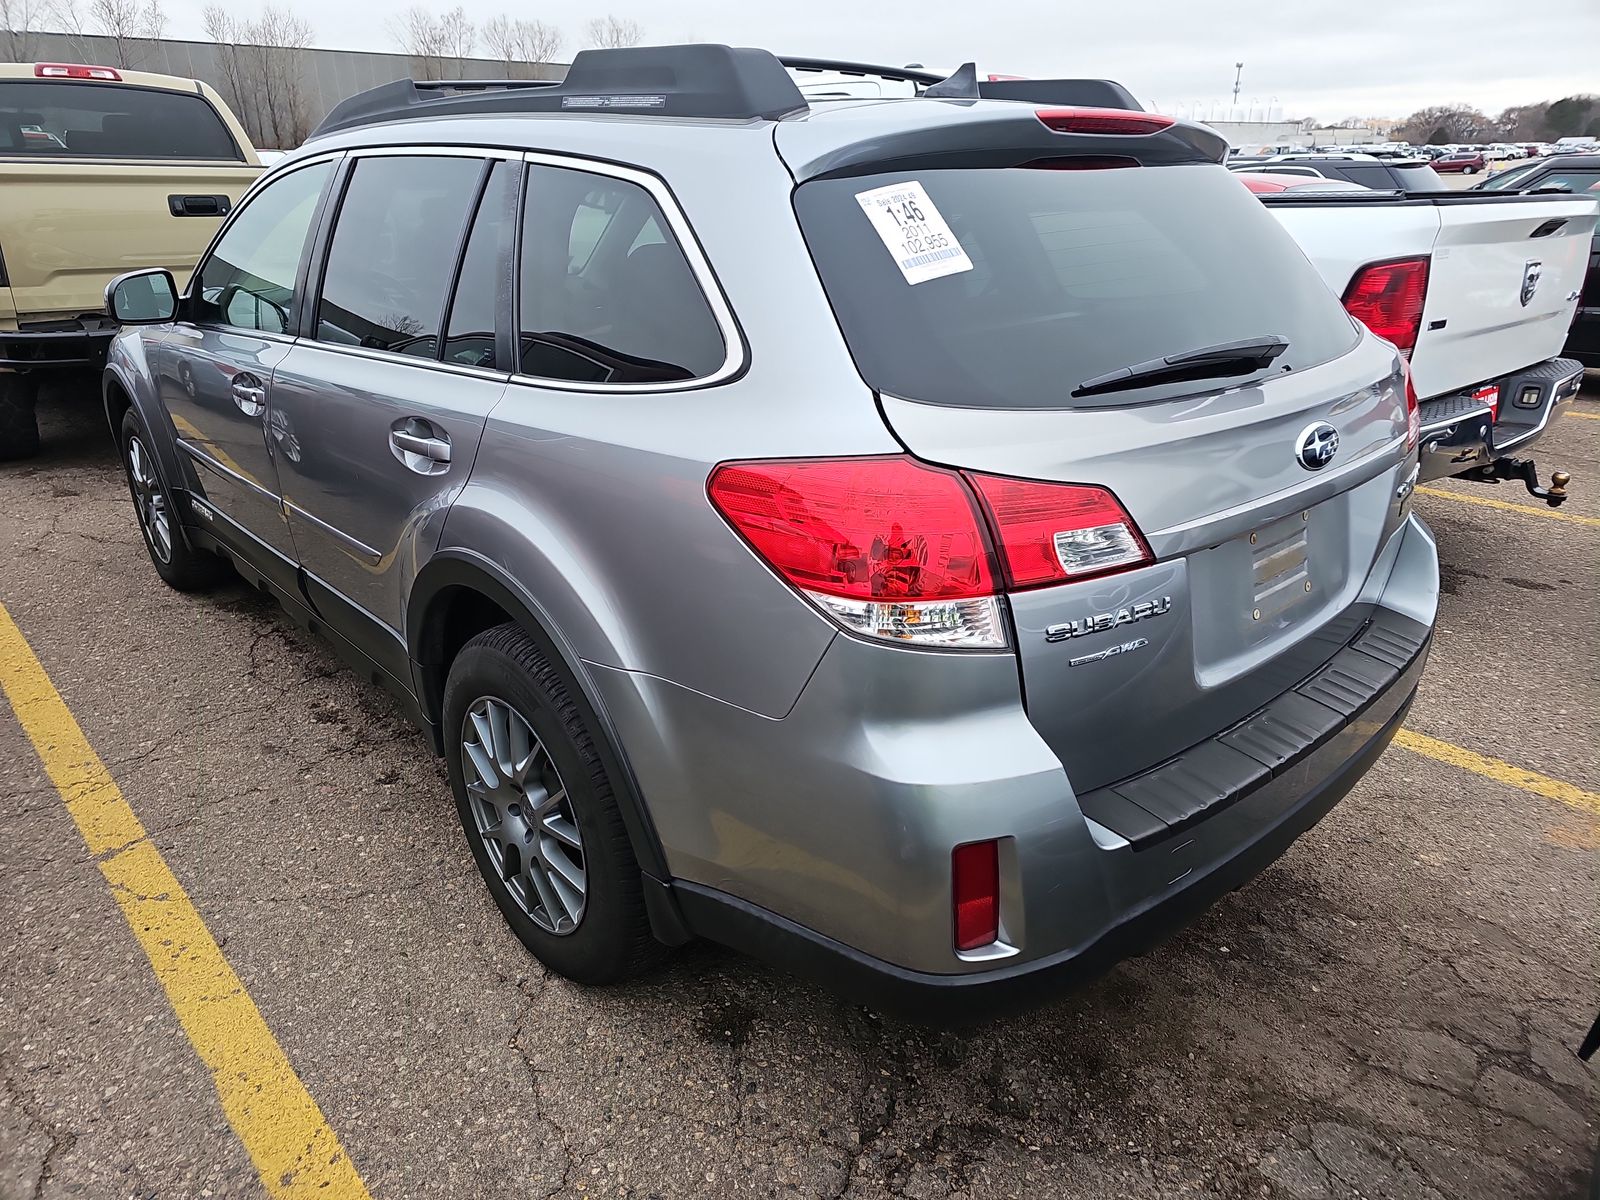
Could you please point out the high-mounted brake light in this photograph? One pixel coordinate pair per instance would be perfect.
(892, 548)
(74, 71)
(1387, 297)
(1116, 121)
(975, 894)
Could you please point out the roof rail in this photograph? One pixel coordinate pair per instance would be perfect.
(663, 81)
(1089, 93)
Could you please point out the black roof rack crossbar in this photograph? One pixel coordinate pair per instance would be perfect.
(660, 81)
(833, 66)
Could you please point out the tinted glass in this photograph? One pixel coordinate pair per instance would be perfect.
(606, 293)
(78, 120)
(469, 338)
(248, 282)
(1419, 177)
(1573, 180)
(1074, 274)
(393, 252)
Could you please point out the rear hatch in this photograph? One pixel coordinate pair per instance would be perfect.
(100, 178)
(1502, 286)
(1022, 285)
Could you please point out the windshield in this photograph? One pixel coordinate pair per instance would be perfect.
(1023, 283)
(50, 119)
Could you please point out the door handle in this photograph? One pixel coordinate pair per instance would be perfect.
(250, 395)
(433, 448)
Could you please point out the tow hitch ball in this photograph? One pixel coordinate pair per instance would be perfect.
(1523, 468)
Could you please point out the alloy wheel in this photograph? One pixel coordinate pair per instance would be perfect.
(150, 500)
(524, 816)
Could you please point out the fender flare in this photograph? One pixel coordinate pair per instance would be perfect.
(458, 567)
(163, 443)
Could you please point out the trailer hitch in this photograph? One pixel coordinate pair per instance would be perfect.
(1523, 469)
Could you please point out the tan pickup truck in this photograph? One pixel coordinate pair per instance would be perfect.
(101, 171)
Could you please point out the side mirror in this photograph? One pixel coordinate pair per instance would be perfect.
(142, 297)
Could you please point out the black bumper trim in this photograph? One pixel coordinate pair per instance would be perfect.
(931, 998)
(1222, 770)
(54, 349)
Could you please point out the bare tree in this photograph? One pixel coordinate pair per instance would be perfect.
(261, 69)
(519, 44)
(435, 40)
(123, 21)
(612, 31)
(18, 21)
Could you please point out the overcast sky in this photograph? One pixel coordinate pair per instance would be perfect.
(1313, 58)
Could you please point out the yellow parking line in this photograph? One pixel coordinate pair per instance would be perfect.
(282, 1128)
(1587, 416)
(1500, 772)
(1529, 510)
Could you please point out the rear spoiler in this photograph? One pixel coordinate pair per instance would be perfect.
(1082, 93)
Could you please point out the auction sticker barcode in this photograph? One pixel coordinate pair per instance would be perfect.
(914, 231)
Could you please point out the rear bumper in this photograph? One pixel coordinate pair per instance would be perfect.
(822, 841)
(64, 346)
(1459, 434)
(1304, 798)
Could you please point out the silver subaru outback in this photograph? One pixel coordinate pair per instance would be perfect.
(935, 544)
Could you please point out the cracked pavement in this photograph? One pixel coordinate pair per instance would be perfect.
(1385, 1013)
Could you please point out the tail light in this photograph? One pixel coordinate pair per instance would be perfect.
(892, 548)
(1387, 298)
(74, 71)
(1116, 121)
(1413, 415)
(975, 894)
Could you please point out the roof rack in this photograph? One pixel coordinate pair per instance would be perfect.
(663, 81)
(1089, 93)
(687, 81)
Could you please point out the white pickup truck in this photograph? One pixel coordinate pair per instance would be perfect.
(1478, 291)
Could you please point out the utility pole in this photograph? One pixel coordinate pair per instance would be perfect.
(1238, 74)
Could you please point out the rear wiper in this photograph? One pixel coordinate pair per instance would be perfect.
(1229, 358)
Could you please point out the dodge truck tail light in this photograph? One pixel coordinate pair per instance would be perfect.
(1387, 297)
(975, 894)
(1413, 413)
(893, 548)
(74, 71)
(1115, 121)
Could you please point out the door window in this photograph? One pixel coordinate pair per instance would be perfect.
(393, 252)
(470, 334)
(248, 281)
(607, 295)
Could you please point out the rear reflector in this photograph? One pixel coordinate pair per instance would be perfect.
(894, 548)
(1115, 121)
(73, 71)
(1387, 298)
(1057, 532)
(975, 894)
(1413, 409)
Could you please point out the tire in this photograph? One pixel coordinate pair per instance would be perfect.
(1471, 170)
(19, 423)
(523, 865)
(179, 564)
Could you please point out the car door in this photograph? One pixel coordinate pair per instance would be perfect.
(215, 369)
(378, 409)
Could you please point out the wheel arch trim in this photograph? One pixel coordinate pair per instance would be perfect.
(462, 568)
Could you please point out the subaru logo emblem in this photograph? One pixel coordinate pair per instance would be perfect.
(1316, 446)
(1530, 280)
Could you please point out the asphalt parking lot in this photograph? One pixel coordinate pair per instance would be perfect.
(1386, 1013)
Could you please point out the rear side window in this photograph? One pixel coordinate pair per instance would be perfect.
(1074, 274)
(1418, 177)
(248, 281)
(103, 120)
(393, 252)
(606, 294)
(470, 335)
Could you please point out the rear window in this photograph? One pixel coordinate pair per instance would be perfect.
(1074, 274)
(1420, 177)
(103, 120)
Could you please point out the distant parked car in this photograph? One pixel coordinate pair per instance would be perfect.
(1468, 162)
(1413, 175)
(1264, 184)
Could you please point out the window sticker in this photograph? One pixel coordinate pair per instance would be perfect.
(914, 232)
